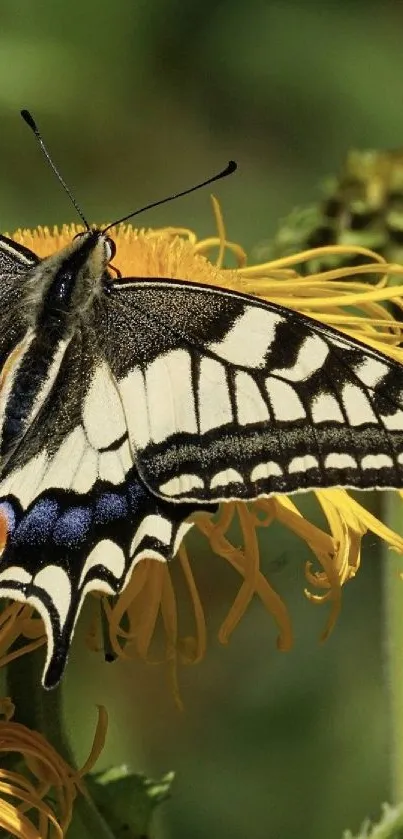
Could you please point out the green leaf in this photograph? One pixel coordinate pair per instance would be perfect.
(127, 800)
(390, 825)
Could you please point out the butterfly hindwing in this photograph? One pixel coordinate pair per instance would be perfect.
(227, 396)
(77, 516)
(63, 546)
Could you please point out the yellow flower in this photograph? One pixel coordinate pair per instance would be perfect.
(36, 802)
(340, 297)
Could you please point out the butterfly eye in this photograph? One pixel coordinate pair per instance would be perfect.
(110, 248)
(80, 235)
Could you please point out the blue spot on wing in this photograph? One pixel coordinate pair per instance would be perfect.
(36, 526)
(137, 494)
(72, 527)
(109, 507)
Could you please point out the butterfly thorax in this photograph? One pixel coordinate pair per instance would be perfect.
(59, 300)
(63, 286)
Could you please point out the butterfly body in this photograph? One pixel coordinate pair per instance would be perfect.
(57, 301)
(126, 405)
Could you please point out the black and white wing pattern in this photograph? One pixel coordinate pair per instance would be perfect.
(226, 396)
(15, 262)
(78, 518)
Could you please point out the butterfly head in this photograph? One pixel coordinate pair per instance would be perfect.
(65, 285)
(93, 250)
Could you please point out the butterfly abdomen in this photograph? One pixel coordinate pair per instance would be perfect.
(31, 381)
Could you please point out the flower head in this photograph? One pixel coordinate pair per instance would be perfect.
(341, 297)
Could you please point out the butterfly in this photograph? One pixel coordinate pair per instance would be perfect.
(128, 404)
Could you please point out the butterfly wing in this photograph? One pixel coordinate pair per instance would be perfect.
(227, 396)
(76, 515)
(15, 264)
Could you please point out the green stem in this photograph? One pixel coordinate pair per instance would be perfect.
(42, 710)
(37, 708)
(393, 604)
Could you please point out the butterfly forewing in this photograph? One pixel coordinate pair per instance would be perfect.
(232, 397)
(15, 264)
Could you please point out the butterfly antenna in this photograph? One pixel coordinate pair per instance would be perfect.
(229, 169)
(33, 126)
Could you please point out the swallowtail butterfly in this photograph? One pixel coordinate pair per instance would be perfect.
(128, 404)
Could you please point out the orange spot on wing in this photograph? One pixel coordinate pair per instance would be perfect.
(3, 529)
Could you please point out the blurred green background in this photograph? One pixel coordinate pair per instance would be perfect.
(137, 100)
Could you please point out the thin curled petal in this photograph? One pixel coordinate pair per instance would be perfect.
(51, 774)
(222, 547)
(192, 649)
